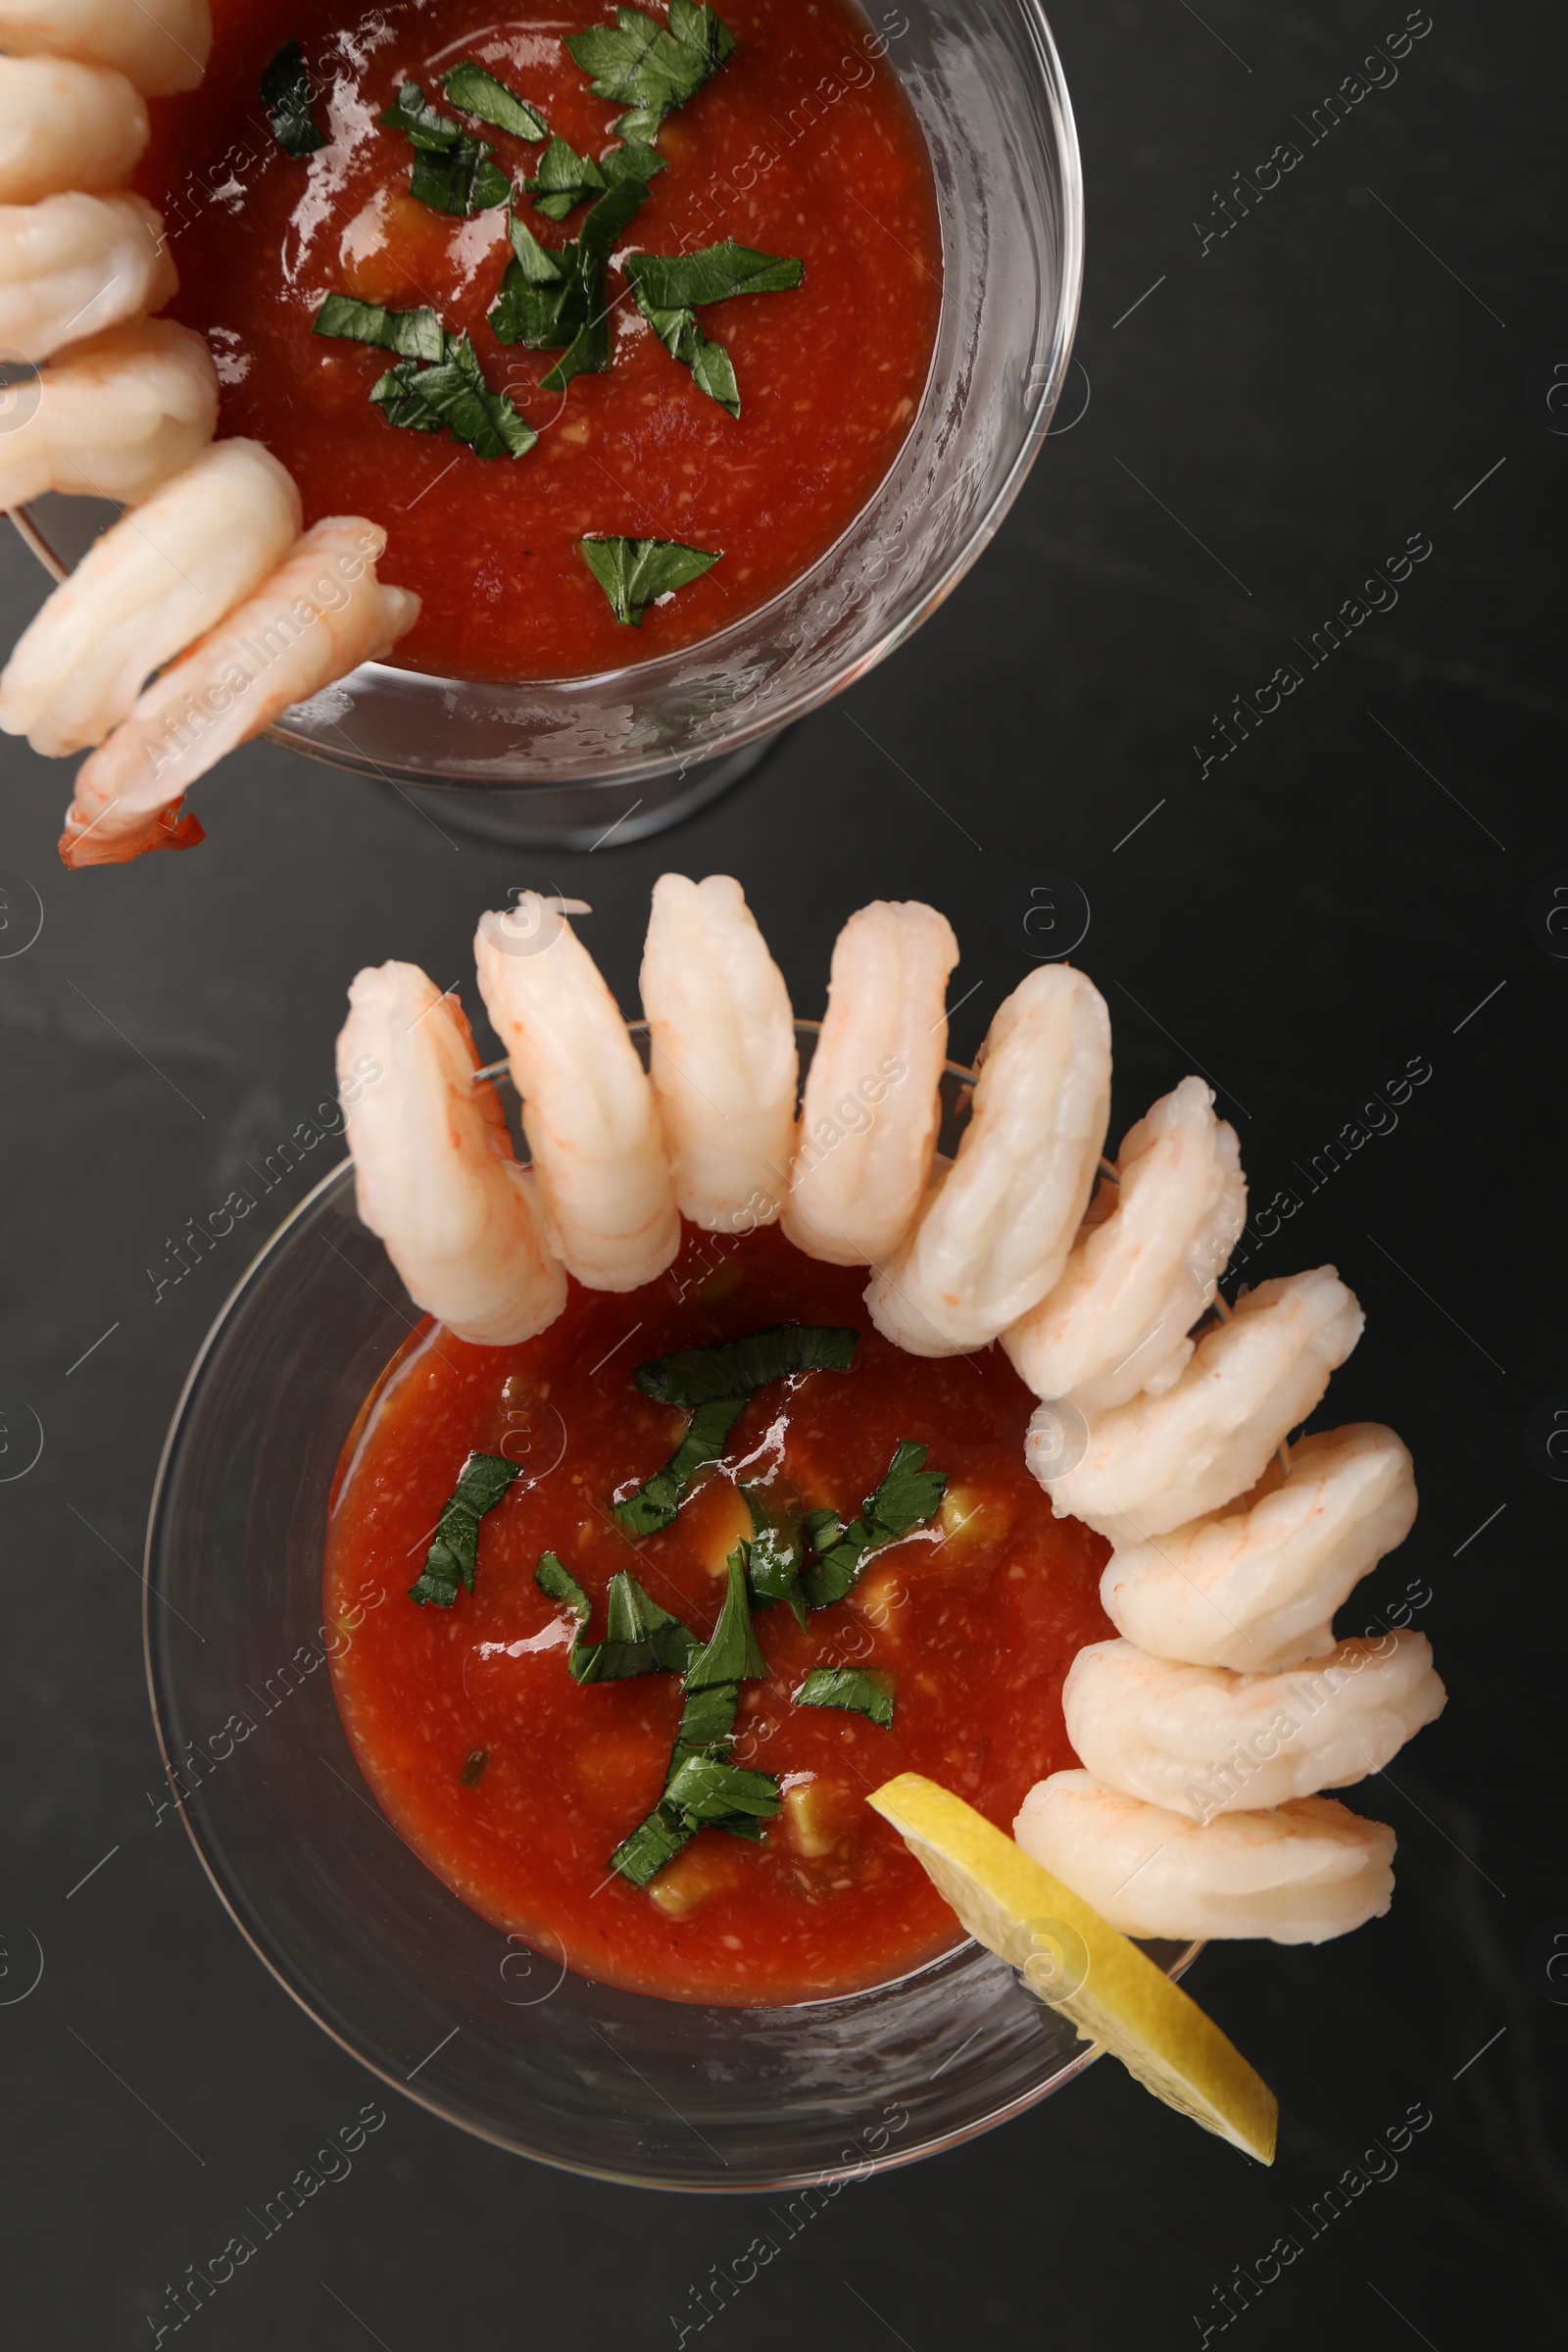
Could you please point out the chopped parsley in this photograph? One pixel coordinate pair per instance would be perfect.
(453, 395)
(412, 334)
(711, 368)
(660, 1498)
(464, 182)
(473, 91)
(909, 1496)
(563, 180)
(650, 68)
(289, 100)
(453, 1553)
(731, 1655)
(640, 1637)
(703, 1788)
(666, 285)
(737, 1367)
(718, 272)
(635, 573)
(422, 124)
(773, 1569)
(473, 1772)
(850, 1687)
(452, 172)
(556, 301)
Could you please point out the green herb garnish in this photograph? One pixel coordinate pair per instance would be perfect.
(635, 573)
(464, 182)
(737, 1367)
(676, 280)
(666, 285)
(731, 1655)
(660, 1498)
(773, 1570)
(650, 68)
(453, 1555)
(289, 100)
(711, 368)
(706, 1790)
(555, 301)
(540, 304)
(412, 334)
(641, 1637)
(557, 1581)
(563, 180)
(634, 159)
(909, 1496)
(422, 124)
(473, 91)
(452, 172)
(703, 1788)
(453, 395)
(851, 1688)
(473, 1772)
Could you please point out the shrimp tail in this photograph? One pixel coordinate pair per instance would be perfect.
(174, 828)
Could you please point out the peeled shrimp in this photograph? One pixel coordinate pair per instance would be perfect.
(318, 617)
(74, 264)
(162, 45)
(1309, 1871)
(1137, 1281)
(114, 418)
(994, 1236)
(65, 126)
(143, 592)
(433, 1168)
(1160, 1460)
(1257, 1588)
(1201, 1741)
(870, 1119)
(724, 1064)
(588, 1110)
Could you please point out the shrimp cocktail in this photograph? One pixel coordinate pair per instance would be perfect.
(761, 1628)
(593, 330)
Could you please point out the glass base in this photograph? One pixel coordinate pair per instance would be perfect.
(596, 813)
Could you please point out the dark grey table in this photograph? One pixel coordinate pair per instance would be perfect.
(1259, 417)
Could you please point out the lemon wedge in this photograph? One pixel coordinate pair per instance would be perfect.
(1080, 1965)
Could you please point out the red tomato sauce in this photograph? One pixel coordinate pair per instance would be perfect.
(976, 1618)
(803, 145)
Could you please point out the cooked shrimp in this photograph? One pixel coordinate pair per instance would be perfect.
(870, 1119)
(162, 45)
(992, 1238)
(1198, 1739)
(433, 1168)
(317, 618)
(144, 592)
(74, 264)
(1160, 1460)
(1138, 1280)
(1257, 1588)
(114, 418)
(588, 1110)
(724, 1064)
(1307, 1872)
(65, 126)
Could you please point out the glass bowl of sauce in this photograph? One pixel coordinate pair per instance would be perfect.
(786, 2016)
(922, 165)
